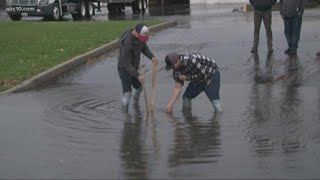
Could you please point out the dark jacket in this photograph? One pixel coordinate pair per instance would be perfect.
(290, 8)
(262, 5)
(130, 51)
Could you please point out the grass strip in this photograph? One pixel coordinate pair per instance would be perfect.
(28, 48)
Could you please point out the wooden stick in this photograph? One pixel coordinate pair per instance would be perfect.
(145, 97)
(142, 71)
(153, 92)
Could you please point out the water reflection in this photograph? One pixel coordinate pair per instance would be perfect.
(266, 75)
(195, 140)
(276, 121)
(316, 121)
(132, 146)
(293, 71)
(260, 114)
(291, 111)
(292, 117)
(139, 144)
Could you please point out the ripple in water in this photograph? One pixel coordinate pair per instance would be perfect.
(84, 108)
(275, 119)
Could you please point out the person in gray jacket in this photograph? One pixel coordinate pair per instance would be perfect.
(291, 12)
(132, 43)
(262, 11)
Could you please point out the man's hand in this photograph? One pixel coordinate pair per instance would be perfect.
(173, 98)
(141, 78)
(155, 60)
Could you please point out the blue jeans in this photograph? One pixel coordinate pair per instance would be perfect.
(212, 90)
(292, 29)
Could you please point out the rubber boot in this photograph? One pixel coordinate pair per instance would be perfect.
(217, 106)
(125, 101)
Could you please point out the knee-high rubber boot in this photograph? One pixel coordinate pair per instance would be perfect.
(216, 106)
(186, 104)
(125, 100)
(136, 96)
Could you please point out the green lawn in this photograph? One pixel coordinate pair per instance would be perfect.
(28, 48)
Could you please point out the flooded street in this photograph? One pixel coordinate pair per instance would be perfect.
(270, 128)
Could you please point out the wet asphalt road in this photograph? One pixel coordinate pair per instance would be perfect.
(270, 127)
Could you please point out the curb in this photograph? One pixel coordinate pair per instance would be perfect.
(66, 66)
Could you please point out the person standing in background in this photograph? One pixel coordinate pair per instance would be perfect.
(291, 12)
(262, 11)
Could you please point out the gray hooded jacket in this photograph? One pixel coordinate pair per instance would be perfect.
(290, 8)
(130, 51)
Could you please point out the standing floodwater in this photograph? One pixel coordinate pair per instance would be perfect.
(270, 127)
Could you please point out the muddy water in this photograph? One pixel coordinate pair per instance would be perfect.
(74, 128)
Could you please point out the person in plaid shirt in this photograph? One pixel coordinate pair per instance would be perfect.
(203, 74)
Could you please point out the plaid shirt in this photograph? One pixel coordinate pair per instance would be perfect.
(198, 69)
